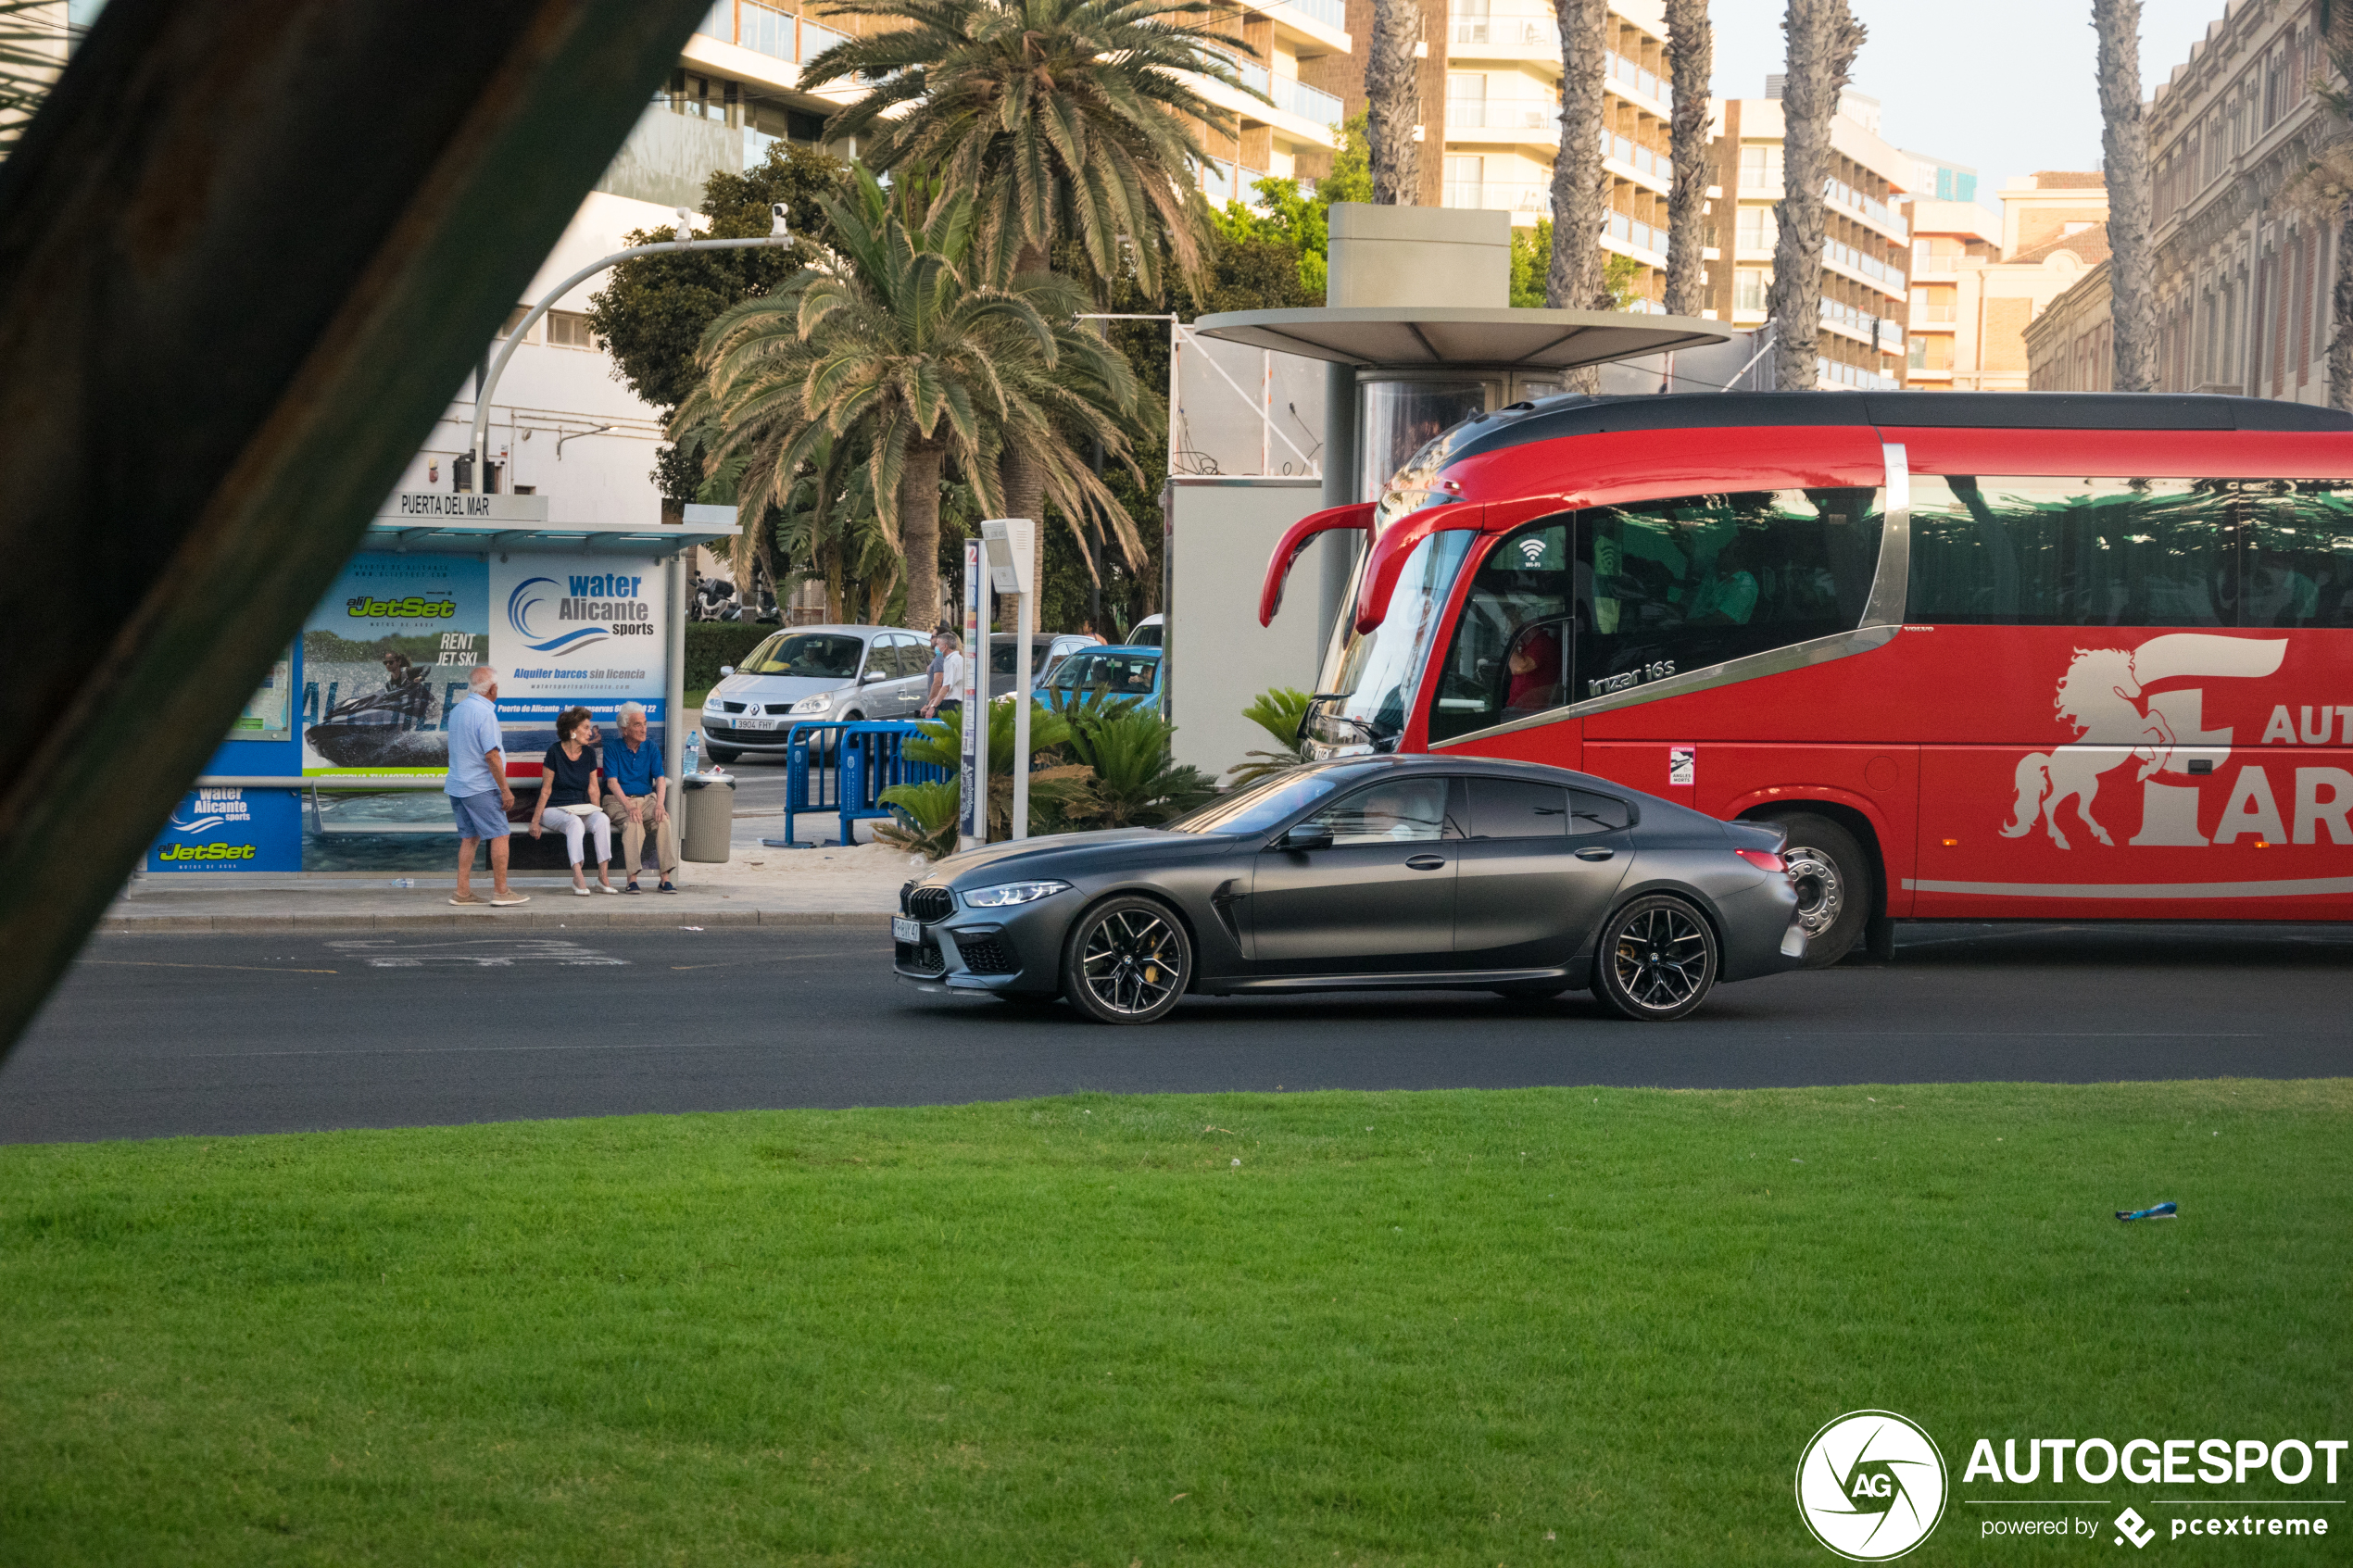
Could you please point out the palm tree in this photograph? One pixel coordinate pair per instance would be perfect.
(2124, 154)
(1823, 38)
(1691, 56)
(1392, 104)
(1063, 118)
(892, 340)
(2322, 191)
(1575, 280)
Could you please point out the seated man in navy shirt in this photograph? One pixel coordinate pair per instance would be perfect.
(637, 797)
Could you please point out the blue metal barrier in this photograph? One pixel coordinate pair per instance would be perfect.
(868, 758)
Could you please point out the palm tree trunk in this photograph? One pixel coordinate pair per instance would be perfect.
(1824, 38)
(2340, 319)
(1019, 471)
(1573, 279)
(1691, 55)
(2124, 152)
(1393, 104)
(919, 531)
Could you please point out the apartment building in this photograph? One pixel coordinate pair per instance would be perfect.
(1940, 179)
(1291, 48)
(1977, 283)
(561, 424)
(2241, 275)
(1866, 256)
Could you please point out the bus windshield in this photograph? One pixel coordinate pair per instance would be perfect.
(1370, 677)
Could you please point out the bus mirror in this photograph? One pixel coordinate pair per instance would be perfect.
(1297, 537)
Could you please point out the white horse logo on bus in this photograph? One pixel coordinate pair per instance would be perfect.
(2101, 696)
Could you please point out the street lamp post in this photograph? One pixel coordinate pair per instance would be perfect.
(778, 234)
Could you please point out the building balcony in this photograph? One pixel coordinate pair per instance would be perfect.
(1531, 199)
(1635, 238)
(1633, 161)
(1311, 103)
(764, 30)
(1288, 123)
(1313, 28)
(1845, 259)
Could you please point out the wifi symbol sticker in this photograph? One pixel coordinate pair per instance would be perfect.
(1531, 549)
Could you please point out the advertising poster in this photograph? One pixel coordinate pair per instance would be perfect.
(269, 713)
(384, 657)
(588, 631)
(232, 830)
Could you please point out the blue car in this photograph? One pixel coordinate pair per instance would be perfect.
(1116, 673)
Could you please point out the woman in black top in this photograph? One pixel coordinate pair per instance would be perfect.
(571, 788)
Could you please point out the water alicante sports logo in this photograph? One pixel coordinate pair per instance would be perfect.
(1870, 1485)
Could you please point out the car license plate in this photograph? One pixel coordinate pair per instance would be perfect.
(905, 930)
(748, 722)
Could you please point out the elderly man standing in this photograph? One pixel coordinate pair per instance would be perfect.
(636, 797)
(478, 796)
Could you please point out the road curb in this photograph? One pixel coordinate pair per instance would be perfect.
(532, 920)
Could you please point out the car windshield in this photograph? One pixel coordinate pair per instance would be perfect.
(1258, 806)
(825, 655)
(1370, 677)
(1125, 674)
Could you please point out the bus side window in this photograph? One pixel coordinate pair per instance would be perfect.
(2296, 561)
(1510, 655)
(2039, 551)
(1669, 586)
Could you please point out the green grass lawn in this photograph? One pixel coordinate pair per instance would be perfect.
(1537, 1326)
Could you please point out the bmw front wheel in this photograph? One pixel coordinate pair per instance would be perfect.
(1126, 960)
(1655, 961)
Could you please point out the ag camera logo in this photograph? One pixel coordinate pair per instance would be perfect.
(1871, 1485)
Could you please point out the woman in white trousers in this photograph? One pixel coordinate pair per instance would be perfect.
(567, 792)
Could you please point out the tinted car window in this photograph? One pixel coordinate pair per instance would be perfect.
(1122, 675)
(1261, 806)
(1517, 809)
(1597, 813)
(1401, 811)
(879, 662)
(913, 658)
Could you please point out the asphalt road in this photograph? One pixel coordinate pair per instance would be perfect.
(161, 1034)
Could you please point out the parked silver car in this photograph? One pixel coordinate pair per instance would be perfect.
(814, 672)
(1046, 651)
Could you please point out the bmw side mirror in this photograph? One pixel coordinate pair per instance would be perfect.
(1309, 835)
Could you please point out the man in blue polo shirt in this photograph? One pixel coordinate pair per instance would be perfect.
(479, 796)
(636, 797)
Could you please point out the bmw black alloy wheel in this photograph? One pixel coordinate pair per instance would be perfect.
(1127, 962)
(1657, 959)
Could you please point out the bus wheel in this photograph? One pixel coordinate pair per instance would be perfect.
(1833, 878)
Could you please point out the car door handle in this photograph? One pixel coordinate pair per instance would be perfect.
(1595, 853)
(1426, 863)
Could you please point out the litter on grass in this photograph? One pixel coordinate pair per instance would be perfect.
(2162, 1211)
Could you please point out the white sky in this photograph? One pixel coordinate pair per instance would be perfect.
(2007, 85)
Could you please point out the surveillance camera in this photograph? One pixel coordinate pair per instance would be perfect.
(779, 226)
(686, 227)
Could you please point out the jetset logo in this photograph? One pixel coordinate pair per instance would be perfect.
(2105, 696)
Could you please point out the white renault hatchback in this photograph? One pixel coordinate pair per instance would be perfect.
(807, 673)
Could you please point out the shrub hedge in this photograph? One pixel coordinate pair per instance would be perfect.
(711, 644)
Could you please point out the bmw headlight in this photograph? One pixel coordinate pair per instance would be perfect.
(1011, 893)
(821, 703)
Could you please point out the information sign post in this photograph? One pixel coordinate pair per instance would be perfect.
(972, 826)
(1009, 542)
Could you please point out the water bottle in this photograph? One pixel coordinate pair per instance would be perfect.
(404, 882)
(693, 751)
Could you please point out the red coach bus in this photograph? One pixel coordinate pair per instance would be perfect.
(1987, 656)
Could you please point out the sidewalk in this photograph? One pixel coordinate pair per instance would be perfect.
(825, 885)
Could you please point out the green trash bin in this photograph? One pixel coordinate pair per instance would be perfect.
(707, 825)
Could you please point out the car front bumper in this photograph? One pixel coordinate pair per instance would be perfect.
(1018, 949)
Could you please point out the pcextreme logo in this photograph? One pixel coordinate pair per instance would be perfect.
(1870, 1485)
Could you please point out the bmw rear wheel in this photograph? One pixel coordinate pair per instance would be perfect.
(1126, 960)
(1655, 961)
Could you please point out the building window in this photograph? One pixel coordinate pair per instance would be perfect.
(1748, 287)
(1466, 182)
(569, 328)
(1758, 228)
(1760, 165)
(514, 320)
